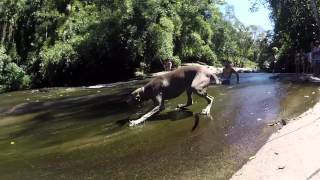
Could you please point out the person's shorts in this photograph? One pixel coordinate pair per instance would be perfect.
(225, 82)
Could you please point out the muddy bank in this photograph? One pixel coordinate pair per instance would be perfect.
(291, 153)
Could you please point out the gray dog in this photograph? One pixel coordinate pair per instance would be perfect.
(192, 79)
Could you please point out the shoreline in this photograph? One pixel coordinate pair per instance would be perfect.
(290, 153)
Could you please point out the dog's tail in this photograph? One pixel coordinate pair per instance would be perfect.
(196, 121)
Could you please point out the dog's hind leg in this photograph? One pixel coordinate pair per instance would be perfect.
(189, 101)
(159, 107)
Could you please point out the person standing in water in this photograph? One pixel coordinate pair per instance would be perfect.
(227, 72)
(297, 62)
(316, 58)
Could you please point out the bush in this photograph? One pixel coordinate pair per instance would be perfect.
(12, 77)
(162, 38)
(56, 61)
(197, 50)
(176, 62)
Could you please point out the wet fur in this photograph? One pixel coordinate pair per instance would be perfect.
(192, 79)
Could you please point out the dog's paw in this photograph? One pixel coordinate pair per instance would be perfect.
(205, 111)
(181, 106)
(133, 123)
(136, 122)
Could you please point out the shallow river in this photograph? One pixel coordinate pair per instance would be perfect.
(82, 133)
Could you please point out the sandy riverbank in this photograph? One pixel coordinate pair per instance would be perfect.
(291, 153)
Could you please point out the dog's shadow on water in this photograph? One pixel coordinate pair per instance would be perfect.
(172, 116)
(175, 115)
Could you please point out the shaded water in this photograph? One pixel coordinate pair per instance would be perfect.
(79, 133)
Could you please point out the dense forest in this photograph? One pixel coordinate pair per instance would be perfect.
(80, 42)
(296, 26)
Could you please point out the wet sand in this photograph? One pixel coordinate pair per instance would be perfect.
(291, 153)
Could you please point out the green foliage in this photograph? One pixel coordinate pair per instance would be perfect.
(12, 77)
(295, 27)
(56, 59)
(196, 49)
(162, 38)
(250, 64)
(87, 41)
(176, 61)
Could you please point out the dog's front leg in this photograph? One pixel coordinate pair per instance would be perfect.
(159, 107)
(203, 93)
(206, 111)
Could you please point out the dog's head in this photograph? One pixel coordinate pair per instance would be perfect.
(135, 97)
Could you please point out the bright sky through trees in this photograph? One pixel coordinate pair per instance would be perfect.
(243, 13)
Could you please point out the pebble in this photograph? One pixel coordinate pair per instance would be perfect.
(283, 122)
(252, 157)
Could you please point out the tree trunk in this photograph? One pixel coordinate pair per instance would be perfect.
(315, 12)
(46, 33)
(4, 32)
(10, 33)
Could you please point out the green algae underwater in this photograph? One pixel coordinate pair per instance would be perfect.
(83, 133)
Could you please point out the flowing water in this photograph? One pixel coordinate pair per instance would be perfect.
(82, 133)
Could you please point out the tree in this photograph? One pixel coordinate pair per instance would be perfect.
(315, 12)
(78, 42)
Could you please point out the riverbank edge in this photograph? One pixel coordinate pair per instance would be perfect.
(215, 70)
(290, 153)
